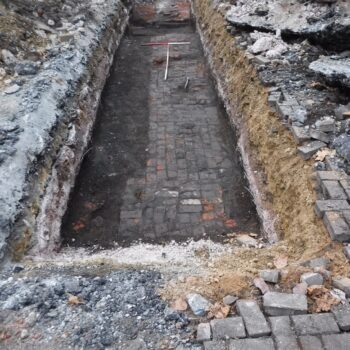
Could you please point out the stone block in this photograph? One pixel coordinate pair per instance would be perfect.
(300, 134)
(336, 341)
(333, 190)
(331, 175)
(311, 278)
(317, 262)
(323, 206)
(310, 342)
(203, 332)
(326, 125)
(252, 344)
(282, 304)
(308, 150)
(271, 276)
(345, 184)
(342, 283)
(215, 345)
(281, 325)
(342, 316)
(253, 318)
(319, 135)
(347, 252)
(229, 299)
(198, 304)
(315, 324)
(232, 327)
(337, 226)
(274, 98)
(286, 342)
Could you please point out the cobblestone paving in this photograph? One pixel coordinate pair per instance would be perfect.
(193, 183)
(305, 332)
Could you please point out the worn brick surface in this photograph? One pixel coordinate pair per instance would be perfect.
(315, 324)
(187, 188)
(253, 318)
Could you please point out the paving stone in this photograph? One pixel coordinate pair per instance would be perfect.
(281, 304)
(342, 316)
(286, 342)
(345, 184)
(311, 278)
(342, 283)
(252, 344)
(310, 342)
(308, 150)
(300, 134)
(322, 206)
(331, 175)
(253, 318)
(319, 135)
(336, 341)
(333, 190)
(315, 324)
(215, 345)
(317, 262)
(270, 275)
(281, 325)
(203, 332)
(232, 327)
(326, 125)
(229, 299)
(337, 226)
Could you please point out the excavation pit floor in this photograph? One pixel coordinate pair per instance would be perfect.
(162, 164)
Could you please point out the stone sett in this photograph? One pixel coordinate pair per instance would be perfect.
(310, 342)
(281, 325)
(253, 318)
(342, 316)
(252, 344)
(286, 342)
(282, 304)
(336, 341)
(203, 332)
(315, 324)
(232, 327)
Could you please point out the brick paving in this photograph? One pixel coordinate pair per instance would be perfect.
(193, 184)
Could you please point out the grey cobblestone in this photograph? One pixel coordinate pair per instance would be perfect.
(215, 345)
(310, 342)
(253, 318)
(286, 342)
(281, 325)
(232, 327)
(336, 341)
(252, 344)
(315, 324)
(342, 316)
(282, 304)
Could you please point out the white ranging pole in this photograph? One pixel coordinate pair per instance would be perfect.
(168, 55)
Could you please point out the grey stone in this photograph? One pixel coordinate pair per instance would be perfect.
(342, 145)
(310, 342)
(317, 262)
(270, 275)
(215, 345)
(333, 190)
(337, 226)
(345, 184)
(331, 175)
(308, 150)
(229, 299)
(336, 341)
(342, 316)
(286, 342)
(325, 125)
(280, 304)
(335, 70)
(26, 68)
(323, 206)
(319, 135)
(300, 134)
(253, 318)
(199, 305)
(232, 327)
(12, 89)
(203, 332)
(347, 252)
(315, 324)
(342, 283)
(281, 325)
(252, 344)
(311, 278)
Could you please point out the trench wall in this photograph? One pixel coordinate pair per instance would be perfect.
(281, 182)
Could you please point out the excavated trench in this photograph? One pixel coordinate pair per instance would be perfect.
(163, 162)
